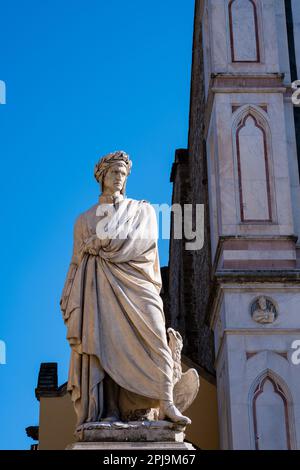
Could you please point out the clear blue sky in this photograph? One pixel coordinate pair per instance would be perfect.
(83, 78)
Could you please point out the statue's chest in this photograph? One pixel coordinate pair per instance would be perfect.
(95, 217)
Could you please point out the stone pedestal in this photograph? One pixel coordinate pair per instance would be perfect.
(132, 446)
(134, 435)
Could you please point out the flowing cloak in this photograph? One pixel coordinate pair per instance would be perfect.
(113, 311)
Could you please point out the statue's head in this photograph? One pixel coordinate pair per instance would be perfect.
(112, 171)
(262, 302)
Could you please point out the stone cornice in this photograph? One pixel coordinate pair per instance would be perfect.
(250, 277)
(247, 80)
(257, 276)
(242, 83)
(248, 238)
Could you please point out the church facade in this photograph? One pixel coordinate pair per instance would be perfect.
(236, 301)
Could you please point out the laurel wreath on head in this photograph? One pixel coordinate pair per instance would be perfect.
(108, 160)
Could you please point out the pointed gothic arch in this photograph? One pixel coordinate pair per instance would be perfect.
(271, 407)
(251, 137)
(244, 33)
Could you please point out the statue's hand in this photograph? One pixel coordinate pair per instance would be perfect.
(92, 245)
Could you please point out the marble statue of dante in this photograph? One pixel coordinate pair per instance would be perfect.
(121, 361)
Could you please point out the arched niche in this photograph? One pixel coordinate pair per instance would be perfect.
(271, 409)
(251, 136)
(244, 35)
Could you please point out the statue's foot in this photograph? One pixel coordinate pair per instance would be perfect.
(111, 417)
(170, 411)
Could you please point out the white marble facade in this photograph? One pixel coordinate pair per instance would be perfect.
(254, 199)
(251, 356)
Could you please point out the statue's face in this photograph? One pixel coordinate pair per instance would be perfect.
(262, 303)
(115, 178)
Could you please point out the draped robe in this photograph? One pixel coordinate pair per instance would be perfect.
(114, 313)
